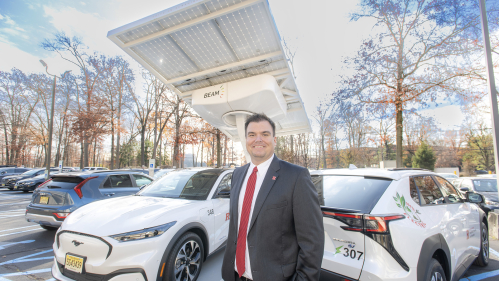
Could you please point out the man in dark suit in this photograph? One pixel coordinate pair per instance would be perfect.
(276, 230)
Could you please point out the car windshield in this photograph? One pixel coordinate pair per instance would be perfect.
(30, 172)
(350, 192)
(485, 185)
(186, 184)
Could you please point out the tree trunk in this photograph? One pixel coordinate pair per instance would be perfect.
(398, 124)
(142, 145)
(111, 165)
(219, 152)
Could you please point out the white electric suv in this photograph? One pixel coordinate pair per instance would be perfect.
(399, 224)
(164, 232)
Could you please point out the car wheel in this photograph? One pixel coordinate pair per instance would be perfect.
(51, 228)
(25, 191)
(10, 188)
(483, 256)
(435, 271)
(186, 259)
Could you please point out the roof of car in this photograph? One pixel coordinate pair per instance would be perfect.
(394, 174)
(101, 172)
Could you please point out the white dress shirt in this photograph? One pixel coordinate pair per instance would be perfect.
(260, 175)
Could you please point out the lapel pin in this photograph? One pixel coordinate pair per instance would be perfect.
(273, 178)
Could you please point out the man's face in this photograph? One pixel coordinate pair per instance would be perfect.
(260, 141)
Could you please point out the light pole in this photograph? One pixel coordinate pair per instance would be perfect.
(51, 121)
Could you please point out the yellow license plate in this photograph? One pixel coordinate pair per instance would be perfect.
(3, 184)
(74, 263)
(44, 200)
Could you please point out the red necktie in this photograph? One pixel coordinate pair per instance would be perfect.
(243, 226)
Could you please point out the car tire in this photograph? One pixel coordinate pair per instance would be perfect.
(483, 256)
(10, 188)
(50, 228)
(435, 271)
(189, 249)
(25, 191)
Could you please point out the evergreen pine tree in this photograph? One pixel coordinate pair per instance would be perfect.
(424, 157)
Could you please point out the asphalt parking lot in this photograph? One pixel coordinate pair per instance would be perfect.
(26, 249)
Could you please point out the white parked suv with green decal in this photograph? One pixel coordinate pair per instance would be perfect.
(398, 224)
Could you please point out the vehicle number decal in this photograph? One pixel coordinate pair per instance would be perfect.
(210, 212)
(227, 217)
(349, 253)
(352, 253)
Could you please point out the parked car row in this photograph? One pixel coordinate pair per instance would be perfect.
(169, 227)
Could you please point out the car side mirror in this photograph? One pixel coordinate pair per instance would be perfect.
(142, 186)
(224, 193)
(474, 197)
(465, 189)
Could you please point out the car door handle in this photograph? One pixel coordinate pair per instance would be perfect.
(109, 194)
(463, 219)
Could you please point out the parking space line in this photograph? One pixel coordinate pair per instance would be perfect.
(25, 273)
(494, 252)
(18, 228)
(25, 258)
(17, 203)
(15, 243)
(481, 276)
(21, 232)
(16, 210)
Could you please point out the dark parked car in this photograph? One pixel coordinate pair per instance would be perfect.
(4, 172)
(30, 184)
(53, 201)
(487, 187)
(10, 181)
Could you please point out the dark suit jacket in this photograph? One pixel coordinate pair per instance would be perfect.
(286, 232)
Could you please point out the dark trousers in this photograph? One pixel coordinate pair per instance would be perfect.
(240, 279)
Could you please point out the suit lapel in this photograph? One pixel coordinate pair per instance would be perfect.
(237, 190)
(267, 184)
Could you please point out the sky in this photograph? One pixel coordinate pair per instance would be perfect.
(320, 32)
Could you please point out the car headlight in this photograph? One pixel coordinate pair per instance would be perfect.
(29, 182)
(491, 203)
(144, 233)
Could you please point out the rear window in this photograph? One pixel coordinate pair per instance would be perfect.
(350, 192)
(64, 182)
(485, 185)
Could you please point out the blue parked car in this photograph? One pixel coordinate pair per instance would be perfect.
(63, 193)
(4, 172)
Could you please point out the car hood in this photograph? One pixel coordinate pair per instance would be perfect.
(12, 177)
(125, 214)
(492, 196)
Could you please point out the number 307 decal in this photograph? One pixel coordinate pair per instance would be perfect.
(352, 253)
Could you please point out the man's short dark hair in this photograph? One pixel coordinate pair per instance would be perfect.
(258, 117)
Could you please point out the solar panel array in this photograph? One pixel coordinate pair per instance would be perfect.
(202, 43)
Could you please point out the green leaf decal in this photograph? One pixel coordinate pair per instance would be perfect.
(398, 205)
(402, 201)
(408, 209)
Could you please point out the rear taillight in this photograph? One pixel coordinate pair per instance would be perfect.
(364, 223)
(353, 222)
(80, 185)
(43, 183)
(61, 215)
(379, 224)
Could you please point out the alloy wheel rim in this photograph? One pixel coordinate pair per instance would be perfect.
(437, 277)
(187, 261)
(485, 245)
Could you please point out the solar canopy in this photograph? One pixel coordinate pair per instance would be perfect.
(203, 43)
